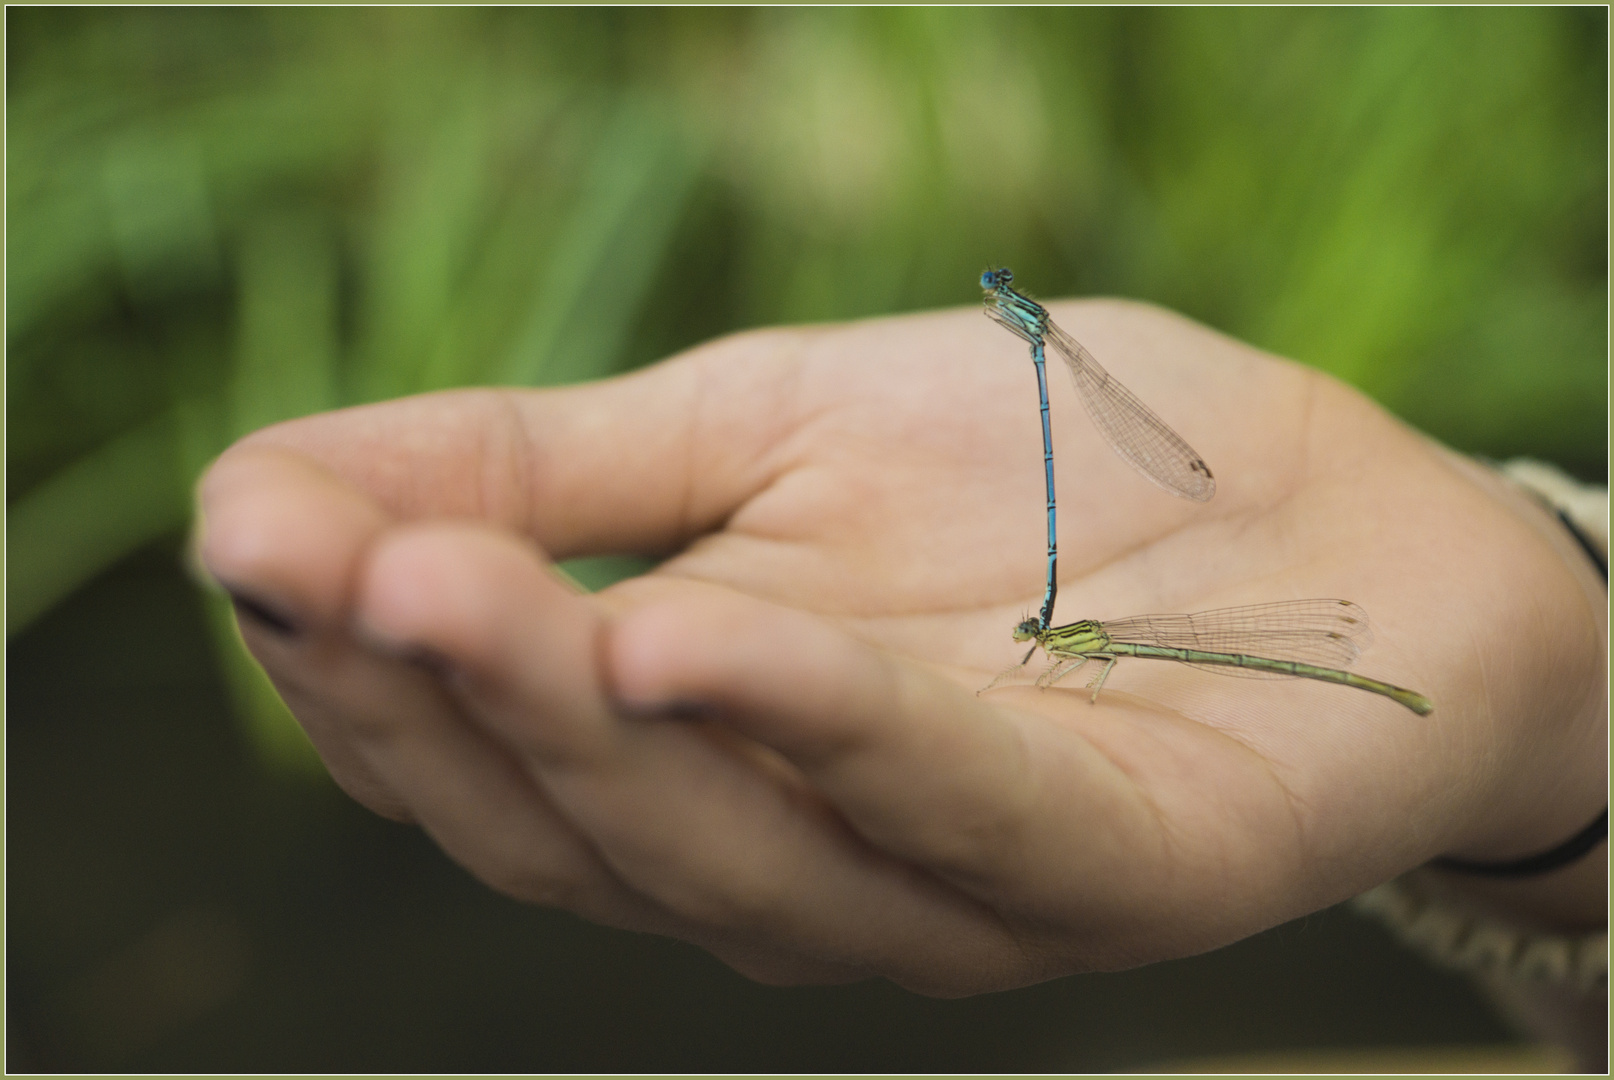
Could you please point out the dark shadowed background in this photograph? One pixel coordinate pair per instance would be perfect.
(220, 218)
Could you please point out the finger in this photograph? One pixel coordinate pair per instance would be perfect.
(681, 812)
(472, 797)
(1052, 818)
(466, 791)
(292, 667)
(283, 538)
(640, 463)
(917, 765)
(281, 529)
(286, 535)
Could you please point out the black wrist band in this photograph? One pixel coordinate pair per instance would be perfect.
(1586, 545)
(1593, 834)
(1532, 865)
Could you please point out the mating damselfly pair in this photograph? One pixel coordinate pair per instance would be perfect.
(1308, 639)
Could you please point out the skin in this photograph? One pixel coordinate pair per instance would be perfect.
(772, 746)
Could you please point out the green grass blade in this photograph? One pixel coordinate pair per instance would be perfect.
(636, 185)
(89, 514)
(285, 362)
(435, 187)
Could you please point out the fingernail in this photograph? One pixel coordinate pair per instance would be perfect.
(428, 660)
(415, 655)
(664, 710)
(263, 614)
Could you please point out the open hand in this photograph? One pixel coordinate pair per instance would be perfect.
(772, 745)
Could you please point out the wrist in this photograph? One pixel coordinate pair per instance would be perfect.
(1571, 898)
(1547, 880)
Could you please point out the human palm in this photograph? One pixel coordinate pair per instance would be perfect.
(772, 746)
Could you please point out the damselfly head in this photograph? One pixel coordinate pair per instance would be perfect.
(991, 279)
(1027, 630)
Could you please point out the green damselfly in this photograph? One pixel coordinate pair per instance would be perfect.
(1306, 639)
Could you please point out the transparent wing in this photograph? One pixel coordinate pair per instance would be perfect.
(1137, 434)
(1328, 633)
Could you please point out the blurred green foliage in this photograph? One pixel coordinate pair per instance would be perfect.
(219, 218)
